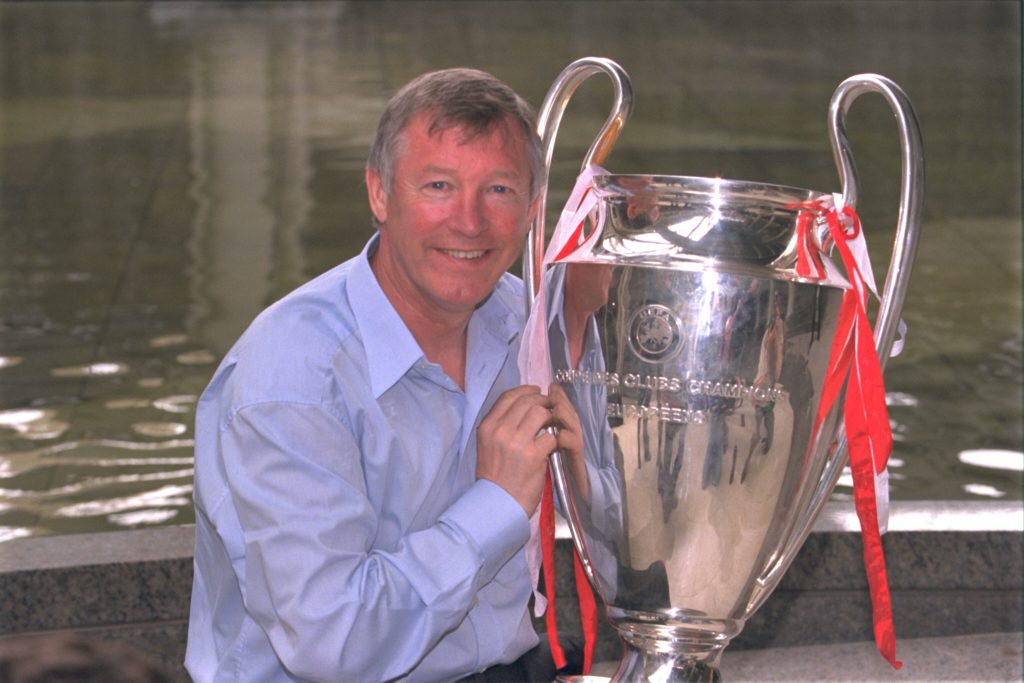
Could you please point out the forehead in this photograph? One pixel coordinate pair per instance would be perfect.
(425, 130)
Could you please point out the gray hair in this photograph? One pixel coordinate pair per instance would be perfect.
(474, 100)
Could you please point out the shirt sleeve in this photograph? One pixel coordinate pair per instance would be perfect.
(333, 607)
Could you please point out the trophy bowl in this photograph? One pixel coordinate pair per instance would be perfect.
(695, 352)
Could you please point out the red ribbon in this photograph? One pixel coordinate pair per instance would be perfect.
(585, 596)
(575, 240)
(588, 607)
(866, 419)
(808, 258)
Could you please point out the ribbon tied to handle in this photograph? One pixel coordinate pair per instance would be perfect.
(569, 243)
(854, 360)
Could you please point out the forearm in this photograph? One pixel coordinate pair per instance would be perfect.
(372, 615)
(338, 598)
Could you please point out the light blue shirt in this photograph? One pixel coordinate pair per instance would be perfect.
(341, 534)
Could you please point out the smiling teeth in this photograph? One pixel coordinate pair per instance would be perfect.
(465, 254)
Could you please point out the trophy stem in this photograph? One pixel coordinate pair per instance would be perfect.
(668, 666)
(677, 653)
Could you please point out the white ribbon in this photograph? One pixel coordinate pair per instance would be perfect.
(859, 248)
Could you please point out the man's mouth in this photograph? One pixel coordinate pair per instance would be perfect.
(466, 255)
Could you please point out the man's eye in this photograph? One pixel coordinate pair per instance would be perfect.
(501, 189)
(438, 185)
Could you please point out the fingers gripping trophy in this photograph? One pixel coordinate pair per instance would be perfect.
(713, 337)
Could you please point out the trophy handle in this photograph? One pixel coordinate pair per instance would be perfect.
(898, 277)
(560, 484)
(911, 190)
(548, 120)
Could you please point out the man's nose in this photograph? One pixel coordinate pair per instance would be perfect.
(470, 215)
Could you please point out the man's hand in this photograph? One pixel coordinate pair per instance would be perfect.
(513, 445)
(570, 438)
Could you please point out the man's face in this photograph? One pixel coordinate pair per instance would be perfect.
(454, 220)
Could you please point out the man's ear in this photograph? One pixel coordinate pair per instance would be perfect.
(377, 195)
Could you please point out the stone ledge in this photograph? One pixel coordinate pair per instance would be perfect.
(956, 570)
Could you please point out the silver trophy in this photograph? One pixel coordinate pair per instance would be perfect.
(695, 354)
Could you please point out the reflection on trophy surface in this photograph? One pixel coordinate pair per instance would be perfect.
(695, 354)
(688, 402)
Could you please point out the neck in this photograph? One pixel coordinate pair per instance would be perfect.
(440, 334)
(443, 339)
(444, 345)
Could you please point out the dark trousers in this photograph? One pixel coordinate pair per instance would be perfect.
(536, 665)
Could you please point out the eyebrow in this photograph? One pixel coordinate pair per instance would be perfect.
(501, 173)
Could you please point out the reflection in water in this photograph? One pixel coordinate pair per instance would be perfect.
(988, 461)
(997, 459)
(232, 229)
(93, 483)
(168, 340)
(103, 490)
(163, 496)
(899, 398)
(176, 404)
(175, 167)
(190, 281)
(35, 425)
(200, 357)
(159, 429)
(91, 370)
(149, 516)
(984, 490)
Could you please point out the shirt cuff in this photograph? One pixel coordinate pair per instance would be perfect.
(493, 520)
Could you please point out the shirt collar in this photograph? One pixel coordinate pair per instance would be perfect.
(390, 348)
(500, 315)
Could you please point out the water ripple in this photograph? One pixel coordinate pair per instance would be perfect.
(95, 483)
(90, 370)
(163, 496)
(13, 464)
(182, 403)
(159, 429)
(34, 423)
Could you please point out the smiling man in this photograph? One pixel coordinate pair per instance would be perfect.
(366, 459)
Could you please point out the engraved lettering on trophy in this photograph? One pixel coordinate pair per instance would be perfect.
(664, 412)
(694, 386)
(570, 376)
(704, 387)
(655, 333)
(652, 382)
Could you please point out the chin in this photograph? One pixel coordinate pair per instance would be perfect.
(465, 299)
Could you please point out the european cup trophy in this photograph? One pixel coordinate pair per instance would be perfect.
(707, 340)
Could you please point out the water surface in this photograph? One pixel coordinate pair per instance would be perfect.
(169, 169)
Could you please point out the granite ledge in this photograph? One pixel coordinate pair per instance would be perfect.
(957, 569)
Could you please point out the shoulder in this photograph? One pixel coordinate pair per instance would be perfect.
(287, 352)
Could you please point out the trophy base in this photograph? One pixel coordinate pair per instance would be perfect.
(676, 647)
(664, 666)
(690, 672)
(638, 665)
